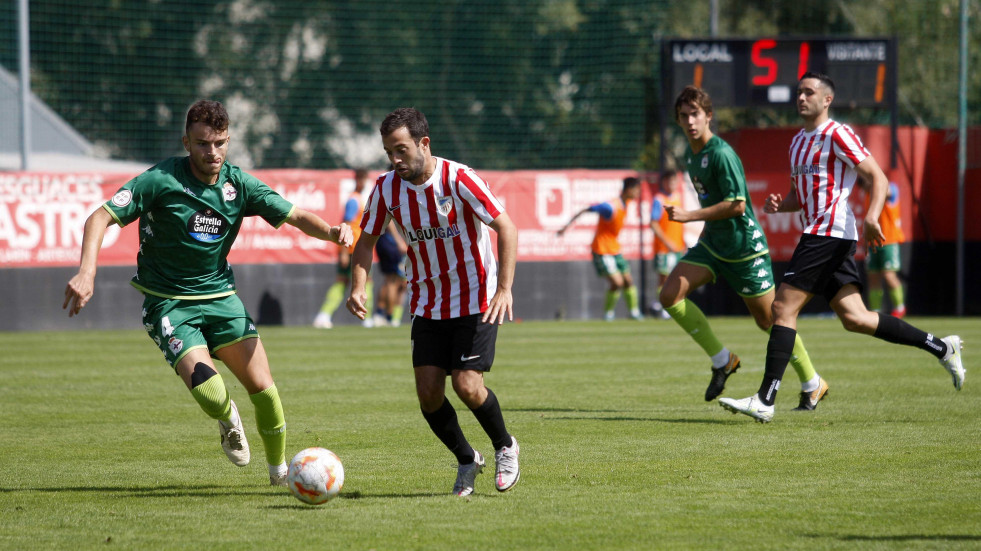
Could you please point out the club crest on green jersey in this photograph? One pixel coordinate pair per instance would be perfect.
(229, 192)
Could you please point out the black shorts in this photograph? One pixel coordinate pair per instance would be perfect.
(456, 343)
(822, 265)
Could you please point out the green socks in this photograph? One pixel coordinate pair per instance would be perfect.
(334, 297)
(213, 398)
(801, 361)
(631, 295)
(897, 298)
(692, 320)
(611, 300)
(875, 299)
(272, 424)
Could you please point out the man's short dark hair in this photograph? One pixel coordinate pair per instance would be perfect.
(692, 95)
(211, 113)
(630, 182)
(825, 79)
(412, 119)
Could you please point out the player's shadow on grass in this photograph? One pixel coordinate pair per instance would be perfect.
(361, 495)
(210, 490)
(897, 538)
(546, 410)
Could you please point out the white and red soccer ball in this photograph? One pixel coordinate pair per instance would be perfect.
(315, 476)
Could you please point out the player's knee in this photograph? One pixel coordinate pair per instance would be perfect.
(854, 323)
(202, 372)
(468, 390)
(669, 295)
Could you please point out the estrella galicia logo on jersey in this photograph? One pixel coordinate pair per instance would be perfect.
(207, 225)
(122, 198)
(699, 187)
(444, 205)
(229, 192)
(429, 234)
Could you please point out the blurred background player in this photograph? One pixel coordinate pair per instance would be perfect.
(669, 238)
(189, 210)
(732, 243)
(391, 249)
(607, 260)
(882, 265)
(457, 292)
(336, 292)
(826, 159)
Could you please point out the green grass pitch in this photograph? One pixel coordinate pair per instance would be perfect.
(103, 448)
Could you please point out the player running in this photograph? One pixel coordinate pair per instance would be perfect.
(826, 159)
(189, 210)
(732, 244)
(669, 236)
(457, 295)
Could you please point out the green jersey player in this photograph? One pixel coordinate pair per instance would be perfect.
(189, 210)
(732, 244)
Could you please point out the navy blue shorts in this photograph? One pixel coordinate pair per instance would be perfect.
(390, 258)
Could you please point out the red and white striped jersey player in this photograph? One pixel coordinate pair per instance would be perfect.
(458, 294)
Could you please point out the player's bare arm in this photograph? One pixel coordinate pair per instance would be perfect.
(718, 211)
(314, 226)
(360, 268)
(81, 286)
(507, 249)
(776, 202)
(869, 171)
(571, 220)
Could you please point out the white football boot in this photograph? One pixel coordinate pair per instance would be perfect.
(952, 361)
(506, 463)
(277, 474)
(233, 440)
(751, 406)
(322, 321)
(466, 474)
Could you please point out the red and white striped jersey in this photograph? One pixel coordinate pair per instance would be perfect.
(822, 167)
(451, 269)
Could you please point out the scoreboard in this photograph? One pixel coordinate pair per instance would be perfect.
(765, 71)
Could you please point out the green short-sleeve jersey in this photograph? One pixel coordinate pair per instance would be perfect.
(717, 174)
(187, 227)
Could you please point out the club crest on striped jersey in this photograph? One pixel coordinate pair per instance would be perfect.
(444, 205)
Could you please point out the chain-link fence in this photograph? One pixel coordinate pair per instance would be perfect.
(506, 84)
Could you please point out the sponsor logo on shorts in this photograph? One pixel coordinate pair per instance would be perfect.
(122, 198)
(465, 358)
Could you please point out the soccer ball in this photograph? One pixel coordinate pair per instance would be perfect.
(315, 475)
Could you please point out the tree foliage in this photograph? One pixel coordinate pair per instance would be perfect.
(505, 84)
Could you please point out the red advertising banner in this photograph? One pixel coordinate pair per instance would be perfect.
(42, 214)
